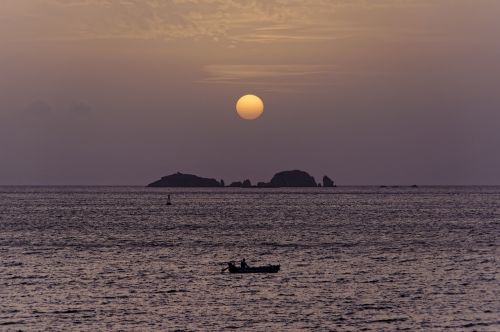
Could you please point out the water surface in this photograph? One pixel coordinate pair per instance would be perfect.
(352, 258)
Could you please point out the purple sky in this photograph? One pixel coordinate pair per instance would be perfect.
(368, 92)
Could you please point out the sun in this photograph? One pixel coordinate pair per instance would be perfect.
(249, 107)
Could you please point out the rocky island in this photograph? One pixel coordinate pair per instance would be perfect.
(285, 179)
(294, 178)
(185, 180)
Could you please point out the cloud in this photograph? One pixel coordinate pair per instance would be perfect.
(277, 78)
(38, 108)
(229, 73)
(79, 108)
(229, 21)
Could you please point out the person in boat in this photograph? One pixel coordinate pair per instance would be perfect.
(244, 264)
(168, 200)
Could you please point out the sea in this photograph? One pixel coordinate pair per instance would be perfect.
(352, 259)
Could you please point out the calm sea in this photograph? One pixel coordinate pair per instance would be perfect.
(352, 258)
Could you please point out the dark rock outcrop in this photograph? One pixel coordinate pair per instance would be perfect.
(184, 180)
(294, 178)
(239, 184)
(327, 182)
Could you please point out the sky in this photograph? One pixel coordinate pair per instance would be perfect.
(105, 92)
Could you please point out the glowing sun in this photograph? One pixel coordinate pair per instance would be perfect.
(249, 107)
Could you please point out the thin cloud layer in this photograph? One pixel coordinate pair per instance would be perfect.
(270, 77)
(229, 21)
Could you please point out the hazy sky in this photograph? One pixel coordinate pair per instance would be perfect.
(368, 92)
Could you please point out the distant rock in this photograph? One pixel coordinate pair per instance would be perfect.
(294, 178)
(184, 180)
(239, 184)
(327, 182)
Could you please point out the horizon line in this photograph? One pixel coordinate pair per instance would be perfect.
(337, 185)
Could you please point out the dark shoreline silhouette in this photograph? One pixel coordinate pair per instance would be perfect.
(284, 179)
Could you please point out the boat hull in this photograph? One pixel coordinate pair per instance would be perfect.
(257, 269)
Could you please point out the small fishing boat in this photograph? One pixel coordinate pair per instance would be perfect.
(258, 269)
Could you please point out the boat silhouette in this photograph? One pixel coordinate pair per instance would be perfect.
(232, 268)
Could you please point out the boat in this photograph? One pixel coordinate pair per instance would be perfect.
(257, 269)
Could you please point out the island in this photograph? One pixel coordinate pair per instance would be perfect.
(239, 184)
(295, 178)
(327, 182)
(284, 179)
(185, 180)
